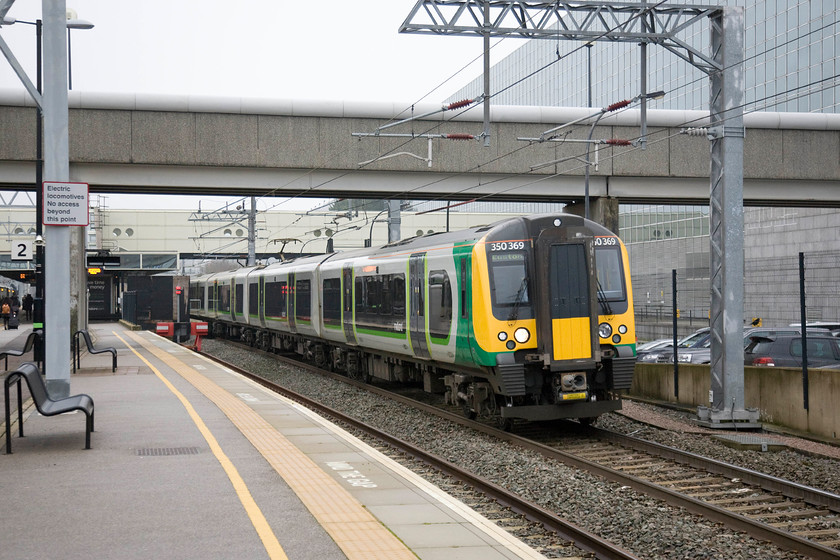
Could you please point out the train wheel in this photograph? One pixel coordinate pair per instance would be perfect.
(504, 424)
(587, 421)
(468, 411)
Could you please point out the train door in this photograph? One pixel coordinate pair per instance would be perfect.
(237, 298)
(290, 302)
(347, 303)
(568, 324)
(417, 304)
(261, 299)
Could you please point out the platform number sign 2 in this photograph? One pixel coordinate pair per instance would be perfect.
(22, 251)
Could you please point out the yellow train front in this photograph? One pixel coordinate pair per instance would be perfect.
(552, 325)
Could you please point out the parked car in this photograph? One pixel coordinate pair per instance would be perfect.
(832, 326)
(701, 351)
(786, 350)
(652, 346)
(665, 352)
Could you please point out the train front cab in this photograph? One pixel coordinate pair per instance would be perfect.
(568, 347)
(546, 345)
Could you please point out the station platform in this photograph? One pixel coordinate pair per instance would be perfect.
(191, 460)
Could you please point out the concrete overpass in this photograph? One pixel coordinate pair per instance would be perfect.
(127, 143)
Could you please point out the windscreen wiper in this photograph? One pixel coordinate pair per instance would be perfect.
(602, 299)
(514, 313)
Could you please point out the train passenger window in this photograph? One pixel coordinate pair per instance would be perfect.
(440, 304)
(332, 301)
(239, 296)
(275, 299)
(398, 289)
(253, 299)
(359, 285)
(303, 300)
(387, 306)
(223, 294)
(373, 294)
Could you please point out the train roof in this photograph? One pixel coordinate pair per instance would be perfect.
(448, 238)
(417, 243)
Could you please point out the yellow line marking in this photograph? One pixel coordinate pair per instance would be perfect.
(353, 528)
(269, 540)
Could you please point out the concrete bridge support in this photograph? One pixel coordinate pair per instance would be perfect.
(603, 209)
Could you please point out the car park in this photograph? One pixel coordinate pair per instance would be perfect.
(701, 351)
(786, 350)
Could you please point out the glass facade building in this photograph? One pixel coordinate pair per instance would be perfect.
(792, 63)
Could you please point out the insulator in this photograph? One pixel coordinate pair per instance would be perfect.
(618, 142)
(619, 105)
(459, 104)
(695, 131)
(460, 136)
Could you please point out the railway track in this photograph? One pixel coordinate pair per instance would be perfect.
(784, 513)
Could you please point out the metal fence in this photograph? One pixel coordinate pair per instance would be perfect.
(771, 294)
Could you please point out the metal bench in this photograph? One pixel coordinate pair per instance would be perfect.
(27, 347)
(77, 362)
(46, 406)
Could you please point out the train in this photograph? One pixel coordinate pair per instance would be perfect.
(527, 318)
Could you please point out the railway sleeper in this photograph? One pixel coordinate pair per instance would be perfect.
(795, 526)
(801, 514)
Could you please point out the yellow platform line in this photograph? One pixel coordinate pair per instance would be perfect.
(353, 528)
(269, 540)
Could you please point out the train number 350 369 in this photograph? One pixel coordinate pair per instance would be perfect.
(507, 246)
(605, 241)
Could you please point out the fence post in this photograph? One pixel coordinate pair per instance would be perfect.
(674, 319)
(804, 329)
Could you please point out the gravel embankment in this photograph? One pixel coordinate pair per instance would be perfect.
(638, 523)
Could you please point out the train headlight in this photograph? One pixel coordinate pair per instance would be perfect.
(502, 336)
(604, 330)
(622, 329)
(522, 335)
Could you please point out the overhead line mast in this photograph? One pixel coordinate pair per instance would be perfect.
(656, 23)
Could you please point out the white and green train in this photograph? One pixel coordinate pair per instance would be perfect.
(530, 317)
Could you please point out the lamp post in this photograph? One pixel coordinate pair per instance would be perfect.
(73, 23)
(369, 240)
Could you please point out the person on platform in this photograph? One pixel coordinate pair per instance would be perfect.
(5, 312)
(27, 306)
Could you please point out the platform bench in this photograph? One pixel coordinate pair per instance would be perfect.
(91, 350)
(27, 347)
(45, 405)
